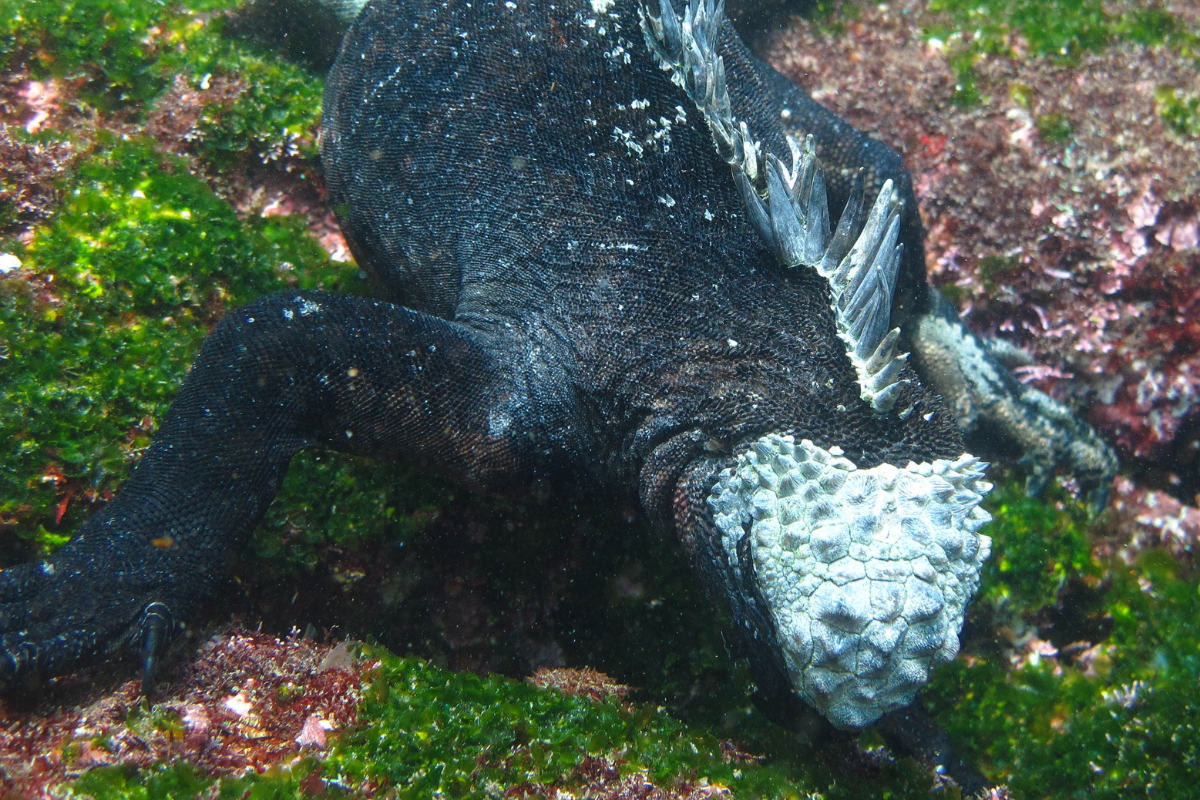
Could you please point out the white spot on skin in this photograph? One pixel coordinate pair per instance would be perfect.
(307, 306)
(667, 201)
(626, 246)
(632, 146)
(499, 421)
(602, 6)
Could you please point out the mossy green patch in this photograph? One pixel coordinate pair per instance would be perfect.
(429, 732)
(992, 270)
(182, 780)
(423, 732)
(128, 277)
(103, 44)
(143, 258)
(1055, 128)
(1062, 731)
(273, 116)
(832, 16)
(254, 102)
(1117, 723)
(357, 501)
(1038, 544)
(124, 53)
(1055, 29)
(1180, 110)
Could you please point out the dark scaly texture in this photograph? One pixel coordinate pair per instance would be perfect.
(615, 318)
(580, 303)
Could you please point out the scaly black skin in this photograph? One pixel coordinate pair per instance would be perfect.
(567, 314)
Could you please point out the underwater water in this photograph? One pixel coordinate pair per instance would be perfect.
(159, 168)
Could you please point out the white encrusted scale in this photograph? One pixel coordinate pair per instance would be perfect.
(867, 572)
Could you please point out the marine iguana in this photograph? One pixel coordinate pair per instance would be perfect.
(607, 234)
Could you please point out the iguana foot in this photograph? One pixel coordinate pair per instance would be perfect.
(65, 611)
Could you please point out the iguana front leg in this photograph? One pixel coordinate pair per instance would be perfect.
(995, 411)
(970, 373)
(289, 372)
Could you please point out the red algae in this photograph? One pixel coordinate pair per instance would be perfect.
(1063, 212)
(1146, 519)
(247, 702)
(585, 682)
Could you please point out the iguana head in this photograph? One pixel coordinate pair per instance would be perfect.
(865, 573)
(856, 575)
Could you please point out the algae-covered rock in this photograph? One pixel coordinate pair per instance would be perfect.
(155, 174)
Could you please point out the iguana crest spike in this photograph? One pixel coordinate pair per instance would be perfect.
(794, 219)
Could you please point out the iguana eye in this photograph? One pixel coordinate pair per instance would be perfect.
(866, 573)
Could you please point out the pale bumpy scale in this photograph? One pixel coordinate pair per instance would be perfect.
(866, 572)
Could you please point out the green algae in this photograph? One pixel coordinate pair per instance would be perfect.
(128, 277)
(1055, 128)
(142, 258)
(182, 780)
(269, 108)
(993, 269)
(1120, 723)
(1180, 110)
(256, 122)
(423, 731)
(428, 732)
(102, 44)
(1038, 545)
(1128, 731)
(123, 54)
(1059, 30)
(360, 504)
